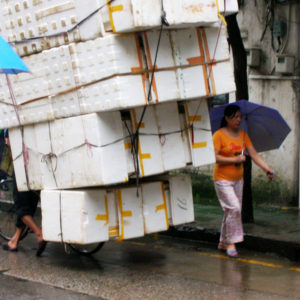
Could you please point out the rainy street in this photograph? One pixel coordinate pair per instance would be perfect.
(149, 268)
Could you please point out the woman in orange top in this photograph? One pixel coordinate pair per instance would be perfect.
(230, 143)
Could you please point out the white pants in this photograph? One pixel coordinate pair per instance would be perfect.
(230, 197)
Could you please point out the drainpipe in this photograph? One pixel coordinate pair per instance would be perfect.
(296, 88)
(298, 102)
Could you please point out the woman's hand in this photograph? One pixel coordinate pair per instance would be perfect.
(240, 159)
(225, 160)
(270, 174)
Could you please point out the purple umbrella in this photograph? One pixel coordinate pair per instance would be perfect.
(264, 125)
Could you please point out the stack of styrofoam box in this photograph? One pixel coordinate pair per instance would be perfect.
(132, 15)
(97, 215)
(21, 20)
(95, 149)
(94, 76)
(81, 104)
(25, 19)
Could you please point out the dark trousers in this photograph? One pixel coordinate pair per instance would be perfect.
(25, 203)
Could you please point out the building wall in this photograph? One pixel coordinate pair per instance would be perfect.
(252, 18)
(279, 94)
(279, 91)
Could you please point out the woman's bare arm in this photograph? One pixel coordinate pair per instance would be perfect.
(259, 161)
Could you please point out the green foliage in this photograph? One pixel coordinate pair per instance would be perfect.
(203, 188)
(269, 192)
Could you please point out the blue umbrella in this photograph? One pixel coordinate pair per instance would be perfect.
(10, 62)
(264, 125)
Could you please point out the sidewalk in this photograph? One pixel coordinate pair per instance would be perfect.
(276, 230)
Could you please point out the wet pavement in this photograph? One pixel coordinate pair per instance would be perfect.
(182, 263)
(15, 288)
(275, 230)
(148, 268)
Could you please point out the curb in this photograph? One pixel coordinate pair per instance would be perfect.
(290, 250)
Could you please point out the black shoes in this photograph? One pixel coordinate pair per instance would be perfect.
(41, 247)
(7, 248)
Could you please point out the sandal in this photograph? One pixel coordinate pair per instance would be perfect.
(7, 248)
(232, 253)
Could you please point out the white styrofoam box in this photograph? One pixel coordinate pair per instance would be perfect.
(116, 93)
(73, 152)
(77, 217)
(51, 73)
(200, 135)
(199, 48)
(98, 75)
(184, 62)
(128, 134)
(130, 211)
(32, 19)
(94, 215)
(199, 45)
(107, 56)
(170, 136)
(155, 207)
(185, 138)
(161, 144)
(215, 44)
(162, 79)
(167, 195)
(149, 152)
(221, 78)
(113, 217)
(58, 72)
(228, 7)
(108, 95)
(181, 199)
(132, 15)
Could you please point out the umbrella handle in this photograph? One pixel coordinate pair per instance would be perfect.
(243, 143)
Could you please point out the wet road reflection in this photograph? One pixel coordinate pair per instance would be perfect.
(157, 269)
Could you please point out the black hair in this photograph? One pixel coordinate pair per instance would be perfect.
(229, 112)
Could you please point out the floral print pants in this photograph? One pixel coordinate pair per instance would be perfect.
(230, 197)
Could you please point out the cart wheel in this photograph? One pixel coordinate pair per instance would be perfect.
(88, 249)
(8, 221)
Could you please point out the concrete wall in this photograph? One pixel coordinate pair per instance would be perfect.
(279, 94)
(252, 21)
(275, 90)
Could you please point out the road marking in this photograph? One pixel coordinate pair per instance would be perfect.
(244, 260)
(294, 269)
(249, 261)
(158, 246)
(138, 243)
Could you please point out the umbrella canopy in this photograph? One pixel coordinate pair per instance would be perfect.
(264, 125)
(10, 62)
